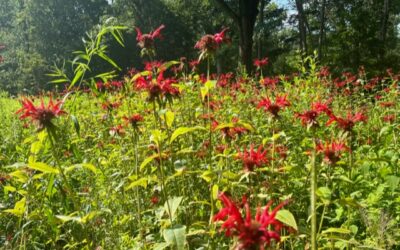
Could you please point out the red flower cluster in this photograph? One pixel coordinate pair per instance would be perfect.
(347, 123)
(112, 85)
(146, 41)
(230, 131)
(259, 63)
(210, 43)
(251, 158)
(270, 82)
(194, 64)
(332, 150)
(109, 106)
(133, 120)
(310, 117)
(117, 130)
(158, 87)
(252, 233)
(42, 115)
(274, 108)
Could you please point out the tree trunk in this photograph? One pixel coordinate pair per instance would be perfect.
(321, 30)
(302, 26)
(248, 11)
(245, 20)
(259, 40)
(383, 31)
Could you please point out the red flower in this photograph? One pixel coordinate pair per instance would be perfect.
(117, 130)
(210, 43)
(387, 104)
(252, 233)
(232, 130)
(42, 115)
(220, 37)
(324, 72)
(154, 199)
(252, 158)
(274, 108)
(389, 118)
(133, 119)
(146, 41)
(194, 64)
(157, 87)
(107, 105)
(270, 82)
(260, 62)
(310, 117)
(332, 150)
(347, 123)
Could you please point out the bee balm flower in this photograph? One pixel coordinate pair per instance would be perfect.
(252, 233)
(41, 115)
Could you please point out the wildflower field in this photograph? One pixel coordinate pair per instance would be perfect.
(171, 156)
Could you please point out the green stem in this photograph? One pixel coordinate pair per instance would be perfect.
(313, 201)
(139, 210)
(52, 139)
(163, 186)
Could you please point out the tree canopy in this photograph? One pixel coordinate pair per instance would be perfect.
(346, 34)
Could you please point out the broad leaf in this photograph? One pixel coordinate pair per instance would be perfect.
(183, 130)
(176, 236)
(287, 218)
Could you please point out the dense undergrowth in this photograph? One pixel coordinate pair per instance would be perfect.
(159, 158)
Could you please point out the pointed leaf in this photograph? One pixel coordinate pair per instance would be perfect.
(176, 236)
(43, 167)
(183, 130)
(287, 218)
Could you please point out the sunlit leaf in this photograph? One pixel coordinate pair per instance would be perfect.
(43, 167)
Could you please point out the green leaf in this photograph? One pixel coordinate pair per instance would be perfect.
(66, 218)
(210, 84)
(109, 60)
(76, 124)
(36, 147)
(336, 230)
(215, 191)
(170, 116)
(287, 218)
(77, 76)
(167, 65)
(21, 176)
(172, 206)
(203, 92)
(88, 166)
(393, 182)
(141, 182)
(43, 167)
(207, 175)
(324, 193)
(147, 161)
(156, 136)
(176, 236)
(160, 246)
(19, 208)
(183, 130)
(143, 73)
(9, 188)
(118, 37)
(62, 80)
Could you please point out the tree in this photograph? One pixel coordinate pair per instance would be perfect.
(245, 16)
